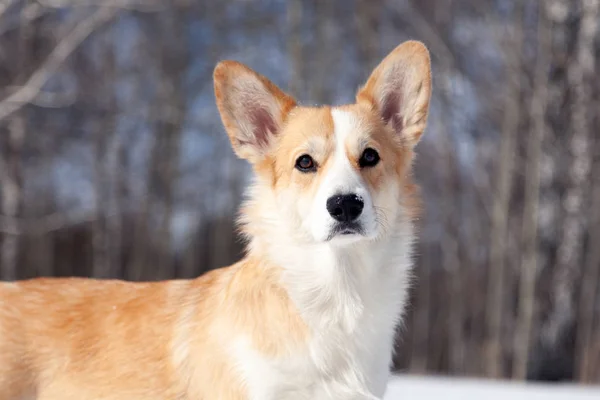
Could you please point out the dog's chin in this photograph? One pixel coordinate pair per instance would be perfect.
(345, 239)
(345, 234)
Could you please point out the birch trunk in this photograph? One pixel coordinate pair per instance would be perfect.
(568, 269)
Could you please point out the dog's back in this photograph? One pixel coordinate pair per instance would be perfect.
(50, 328)
(104, 336)
(75, 338)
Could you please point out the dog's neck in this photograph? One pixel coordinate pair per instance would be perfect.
(332, 285)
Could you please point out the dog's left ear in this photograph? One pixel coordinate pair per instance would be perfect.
(252, 108)
(399, 90)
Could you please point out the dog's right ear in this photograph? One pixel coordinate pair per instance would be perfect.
(252, 108)
(399, 90)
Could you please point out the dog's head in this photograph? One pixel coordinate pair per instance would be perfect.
(337, 174)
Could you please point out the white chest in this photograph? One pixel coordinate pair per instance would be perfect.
(352, 303)
(347, 357)
(335, 365)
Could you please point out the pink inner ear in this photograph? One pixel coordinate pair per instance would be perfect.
(263, 125)
(390, 110)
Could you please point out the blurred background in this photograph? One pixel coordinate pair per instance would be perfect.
(114, 162)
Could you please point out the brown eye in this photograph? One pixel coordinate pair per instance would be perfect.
(305, 163)
(369, 158)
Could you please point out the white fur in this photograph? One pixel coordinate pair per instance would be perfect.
(351, 296)
(341, 178)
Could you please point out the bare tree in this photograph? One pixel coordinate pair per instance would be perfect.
(11, 168)
(500, 212)
(368, 23)
(529, 262)
(580, 75)
(588, 298)
(41, 261)
(588, 324)
(324, 51)
(99, 234)
(294, 45)
(170, 112)
(452, 263)
(32, 87)
(11, 173)
(106, 229)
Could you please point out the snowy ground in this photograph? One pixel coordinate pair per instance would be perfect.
(410, 387)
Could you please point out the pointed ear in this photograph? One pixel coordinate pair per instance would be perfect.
(252, 108)
(399, 90)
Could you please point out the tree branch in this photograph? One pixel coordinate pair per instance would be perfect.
(64, 49)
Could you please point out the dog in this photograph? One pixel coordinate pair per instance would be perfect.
(311, 310)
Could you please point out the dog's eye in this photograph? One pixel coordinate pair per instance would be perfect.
(369, 158)
(305, 163)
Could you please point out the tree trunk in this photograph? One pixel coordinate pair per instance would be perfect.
(324, 52)
(115, 168)
(294, 44)
(587, 341)
(368, 23)
(581, 71)
(452, 263)
(522, 338)
(175, 57)
(100, 267)
(114, 218)
(12, 184)
(169, 111)
(42, 243)
(11, 168)
(586, 322)
(500, 211)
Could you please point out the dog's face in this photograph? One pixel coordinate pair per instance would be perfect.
(337, 173)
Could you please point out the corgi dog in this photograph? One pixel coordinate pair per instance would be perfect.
(311, 310)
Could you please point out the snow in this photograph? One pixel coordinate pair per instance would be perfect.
(409, 387)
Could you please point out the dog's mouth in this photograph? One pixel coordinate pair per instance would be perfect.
(346, 229)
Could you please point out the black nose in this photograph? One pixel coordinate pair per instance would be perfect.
(345, 208)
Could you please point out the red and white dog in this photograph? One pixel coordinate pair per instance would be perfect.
(311, 310)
